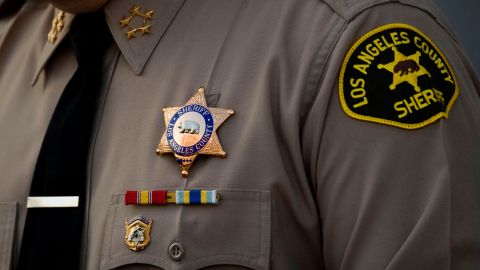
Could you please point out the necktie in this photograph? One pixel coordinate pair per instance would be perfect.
(52, 237)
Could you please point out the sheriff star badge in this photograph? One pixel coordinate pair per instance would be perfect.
(191, 131)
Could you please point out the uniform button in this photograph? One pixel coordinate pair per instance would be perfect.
(176, 251)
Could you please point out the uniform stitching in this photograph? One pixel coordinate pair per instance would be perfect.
(317, 77)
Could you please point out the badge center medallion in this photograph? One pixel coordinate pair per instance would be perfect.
(190, 129)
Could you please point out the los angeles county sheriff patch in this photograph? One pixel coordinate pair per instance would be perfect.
(396, 75)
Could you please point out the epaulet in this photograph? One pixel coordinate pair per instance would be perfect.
(8, 7)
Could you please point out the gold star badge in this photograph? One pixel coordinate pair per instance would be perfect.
(191, 131)
(145, 17)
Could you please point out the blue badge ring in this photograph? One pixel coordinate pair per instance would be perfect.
(190, 127)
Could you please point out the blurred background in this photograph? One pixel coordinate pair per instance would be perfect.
(464, 18)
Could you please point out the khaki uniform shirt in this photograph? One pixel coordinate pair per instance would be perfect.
(304, 185)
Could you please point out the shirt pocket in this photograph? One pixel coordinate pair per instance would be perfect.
(235, 233)
(8, 212)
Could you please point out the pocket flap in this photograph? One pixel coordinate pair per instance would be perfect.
(235, 232)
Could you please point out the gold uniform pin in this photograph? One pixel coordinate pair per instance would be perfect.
(57, 25)
(137, 233)
(128, 22)
(191, 131)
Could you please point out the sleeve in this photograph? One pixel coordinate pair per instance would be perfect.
(393, 139)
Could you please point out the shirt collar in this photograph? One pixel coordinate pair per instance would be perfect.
(136, 50)
(48, 47)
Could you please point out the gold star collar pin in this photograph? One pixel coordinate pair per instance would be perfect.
(130, 21)
(191, 131)
(57, 26)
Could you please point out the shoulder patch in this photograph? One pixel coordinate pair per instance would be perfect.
(395, 75)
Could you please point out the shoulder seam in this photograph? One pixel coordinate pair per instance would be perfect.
(317, 68)
(350, 12)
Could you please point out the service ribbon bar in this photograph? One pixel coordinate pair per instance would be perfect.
(163, 197)
(145, 197)
(196, 197)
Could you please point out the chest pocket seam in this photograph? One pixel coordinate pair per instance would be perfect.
(206, 245)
